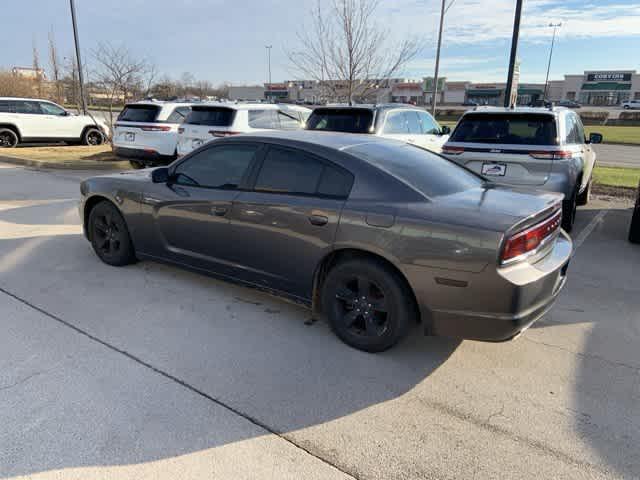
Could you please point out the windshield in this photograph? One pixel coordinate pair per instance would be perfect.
(349, 120)
(507, 128)
(425, 171)
(212, 116)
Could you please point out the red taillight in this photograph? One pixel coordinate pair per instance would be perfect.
(223, 133)
(156, 129)
(180, 130)
(551, 154)
(452, 150)
(528, 240)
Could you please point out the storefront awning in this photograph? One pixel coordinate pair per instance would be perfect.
(606, 86)
(530, 91)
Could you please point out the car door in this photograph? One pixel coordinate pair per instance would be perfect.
(32, 124)
(189, 216)
(287, 224)
(59, 122)
(431, 138)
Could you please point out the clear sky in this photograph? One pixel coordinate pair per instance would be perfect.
(220, 40)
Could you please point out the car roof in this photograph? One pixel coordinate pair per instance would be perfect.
(161, 104)
(29, 99)
(369, 106)
(333, 140)
(517, 110)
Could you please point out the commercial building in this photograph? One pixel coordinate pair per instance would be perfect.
(599, 87)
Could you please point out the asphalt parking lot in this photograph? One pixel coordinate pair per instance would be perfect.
(152, 372)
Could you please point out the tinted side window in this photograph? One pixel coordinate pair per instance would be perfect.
(178, 115)
(429, 125)
(335, 182)
(263, 119)
(27, 107)
(289, 171)
(413, 123)
(396, 123)
(216, 167)
(6, 106)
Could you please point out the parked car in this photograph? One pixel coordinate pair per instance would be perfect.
(31, 120)
(631, 105)
(396, 121)
(209, 121)
(373, 234)
(568, 104)
(147, 132)
(469, 103)
(533, 147)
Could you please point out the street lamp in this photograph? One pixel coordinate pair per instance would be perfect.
(268, 47)
(83, 100)
(553, 40)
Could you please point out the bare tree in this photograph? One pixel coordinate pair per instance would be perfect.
(118, 73)
(37, 70)
(54, 63)
(203, 88)
(346, 52)
(13, 85)
(150, 79)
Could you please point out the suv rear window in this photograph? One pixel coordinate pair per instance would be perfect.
(211, 116)
(349, 120)
(139, 113)
(507, 128)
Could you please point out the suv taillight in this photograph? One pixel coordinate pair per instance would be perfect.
(552, 154)
(156, 129)
(452, 150)
(520, 244)
(221, 133)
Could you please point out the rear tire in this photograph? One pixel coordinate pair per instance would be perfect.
(93, 136)
(110, 236)
(584, 198)
(367, 304)
(569, 208)
(8, 138)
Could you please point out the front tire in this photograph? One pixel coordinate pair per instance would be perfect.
(8, 138)
(367, 304)
(110, 236)
(93, 137)
(584, 197)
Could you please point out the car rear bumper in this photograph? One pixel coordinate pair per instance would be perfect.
(528, 300)
(146, 156)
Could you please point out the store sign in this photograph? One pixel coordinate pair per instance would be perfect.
(608, 77)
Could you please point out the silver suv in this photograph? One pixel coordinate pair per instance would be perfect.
(543, 148)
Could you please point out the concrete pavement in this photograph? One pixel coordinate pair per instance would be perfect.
(150, 371)
(618, 155)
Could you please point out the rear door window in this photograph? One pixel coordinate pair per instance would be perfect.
(349, 120)
(413, 123)
(211, 116)
(264, 119)
(294, 172)
(23, 106)
(7, 107)
(507, 128)
(139, 113)
(178, 115)
(396, 124)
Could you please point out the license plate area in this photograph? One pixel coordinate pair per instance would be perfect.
(129, 137)
(494, 169)
(196, 143)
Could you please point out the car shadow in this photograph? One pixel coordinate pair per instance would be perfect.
(166, 330)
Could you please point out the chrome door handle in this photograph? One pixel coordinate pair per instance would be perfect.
(318, 220)
(219, 211)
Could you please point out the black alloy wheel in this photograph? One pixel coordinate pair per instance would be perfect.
(367, 304)
(8, 138)
(93, 137)
(109, 235)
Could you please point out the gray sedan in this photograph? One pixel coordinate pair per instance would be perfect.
(374, 235)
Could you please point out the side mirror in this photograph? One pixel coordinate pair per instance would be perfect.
(160, 175)
(445, 130)
(595, 138)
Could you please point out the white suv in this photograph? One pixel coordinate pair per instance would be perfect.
(30, 120)
(147, 132)
(208, 121)
(631, 105)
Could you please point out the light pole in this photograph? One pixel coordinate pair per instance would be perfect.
(268, 47)
(434, 100)
(553, 40)
(514, 53)
(83, 100)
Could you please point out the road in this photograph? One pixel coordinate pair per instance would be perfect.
(150, 372)
(618, 155)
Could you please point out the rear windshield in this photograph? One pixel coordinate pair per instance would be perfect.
(426, 172)
(350, 120)
(211, 116)
(139, 113)
(506, 128)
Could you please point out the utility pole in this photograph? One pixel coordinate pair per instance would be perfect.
(268, 47)
(83, 100)
(434, 97)
(553, 40)
(514, 53)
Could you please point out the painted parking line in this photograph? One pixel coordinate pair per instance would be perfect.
(586, 231)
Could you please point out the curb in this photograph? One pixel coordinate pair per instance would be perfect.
(68, 165)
